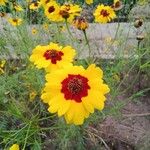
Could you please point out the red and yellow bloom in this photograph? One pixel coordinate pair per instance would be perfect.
(69, 12)
(35, 5)
(104, 14)
(75, 92)
(14, 147)
(52, 11)
(15, 21)
(52, 56)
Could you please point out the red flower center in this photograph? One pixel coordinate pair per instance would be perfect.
(53, 55)
(51, 9)
(64, 14)
(36, 4)
(74, 87)
(15, 20)
(104, 13)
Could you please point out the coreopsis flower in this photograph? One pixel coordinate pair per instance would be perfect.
(117, 5)
(62, 28)
(14, 147)
(34, 5)
(34, 31)
(80, 23)
(89, 2)
(18, 7)
(52, 11)
(104, 14)
(52, 56)
(15, 21)
(45, 26)
(75, 92)
(69, 11)
(3, 2)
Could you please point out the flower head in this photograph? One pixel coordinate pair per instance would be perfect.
(18, 7)
(14, 147)
(69, 11)
(52, 11)
(89, 1)
(104, 14)
(75, 92)
(15, 21)
(45, 26)
(3, 2)
(34, 31)
(80, 23)
(35, 5)
(52, 56)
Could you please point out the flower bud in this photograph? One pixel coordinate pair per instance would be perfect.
(138, 23)
(80, 23)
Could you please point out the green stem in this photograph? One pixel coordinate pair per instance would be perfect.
(139, 70)
(68, 29)
(26, 136)
(87, 42)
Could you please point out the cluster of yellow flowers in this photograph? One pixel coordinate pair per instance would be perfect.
(66, 12)
(70, 90)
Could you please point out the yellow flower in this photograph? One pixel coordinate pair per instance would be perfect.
(3, 2)
(104, 14)
(75, 92)
(69, 12)
(45, 26)
(15, 21)
(62, 28)
(34, 31)
(89, 1)
(80, 23)
(32, 96)
(2, 63)
(18, 7)
(52, 11)
(34, 5)
(14, 147)
(52, 56)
